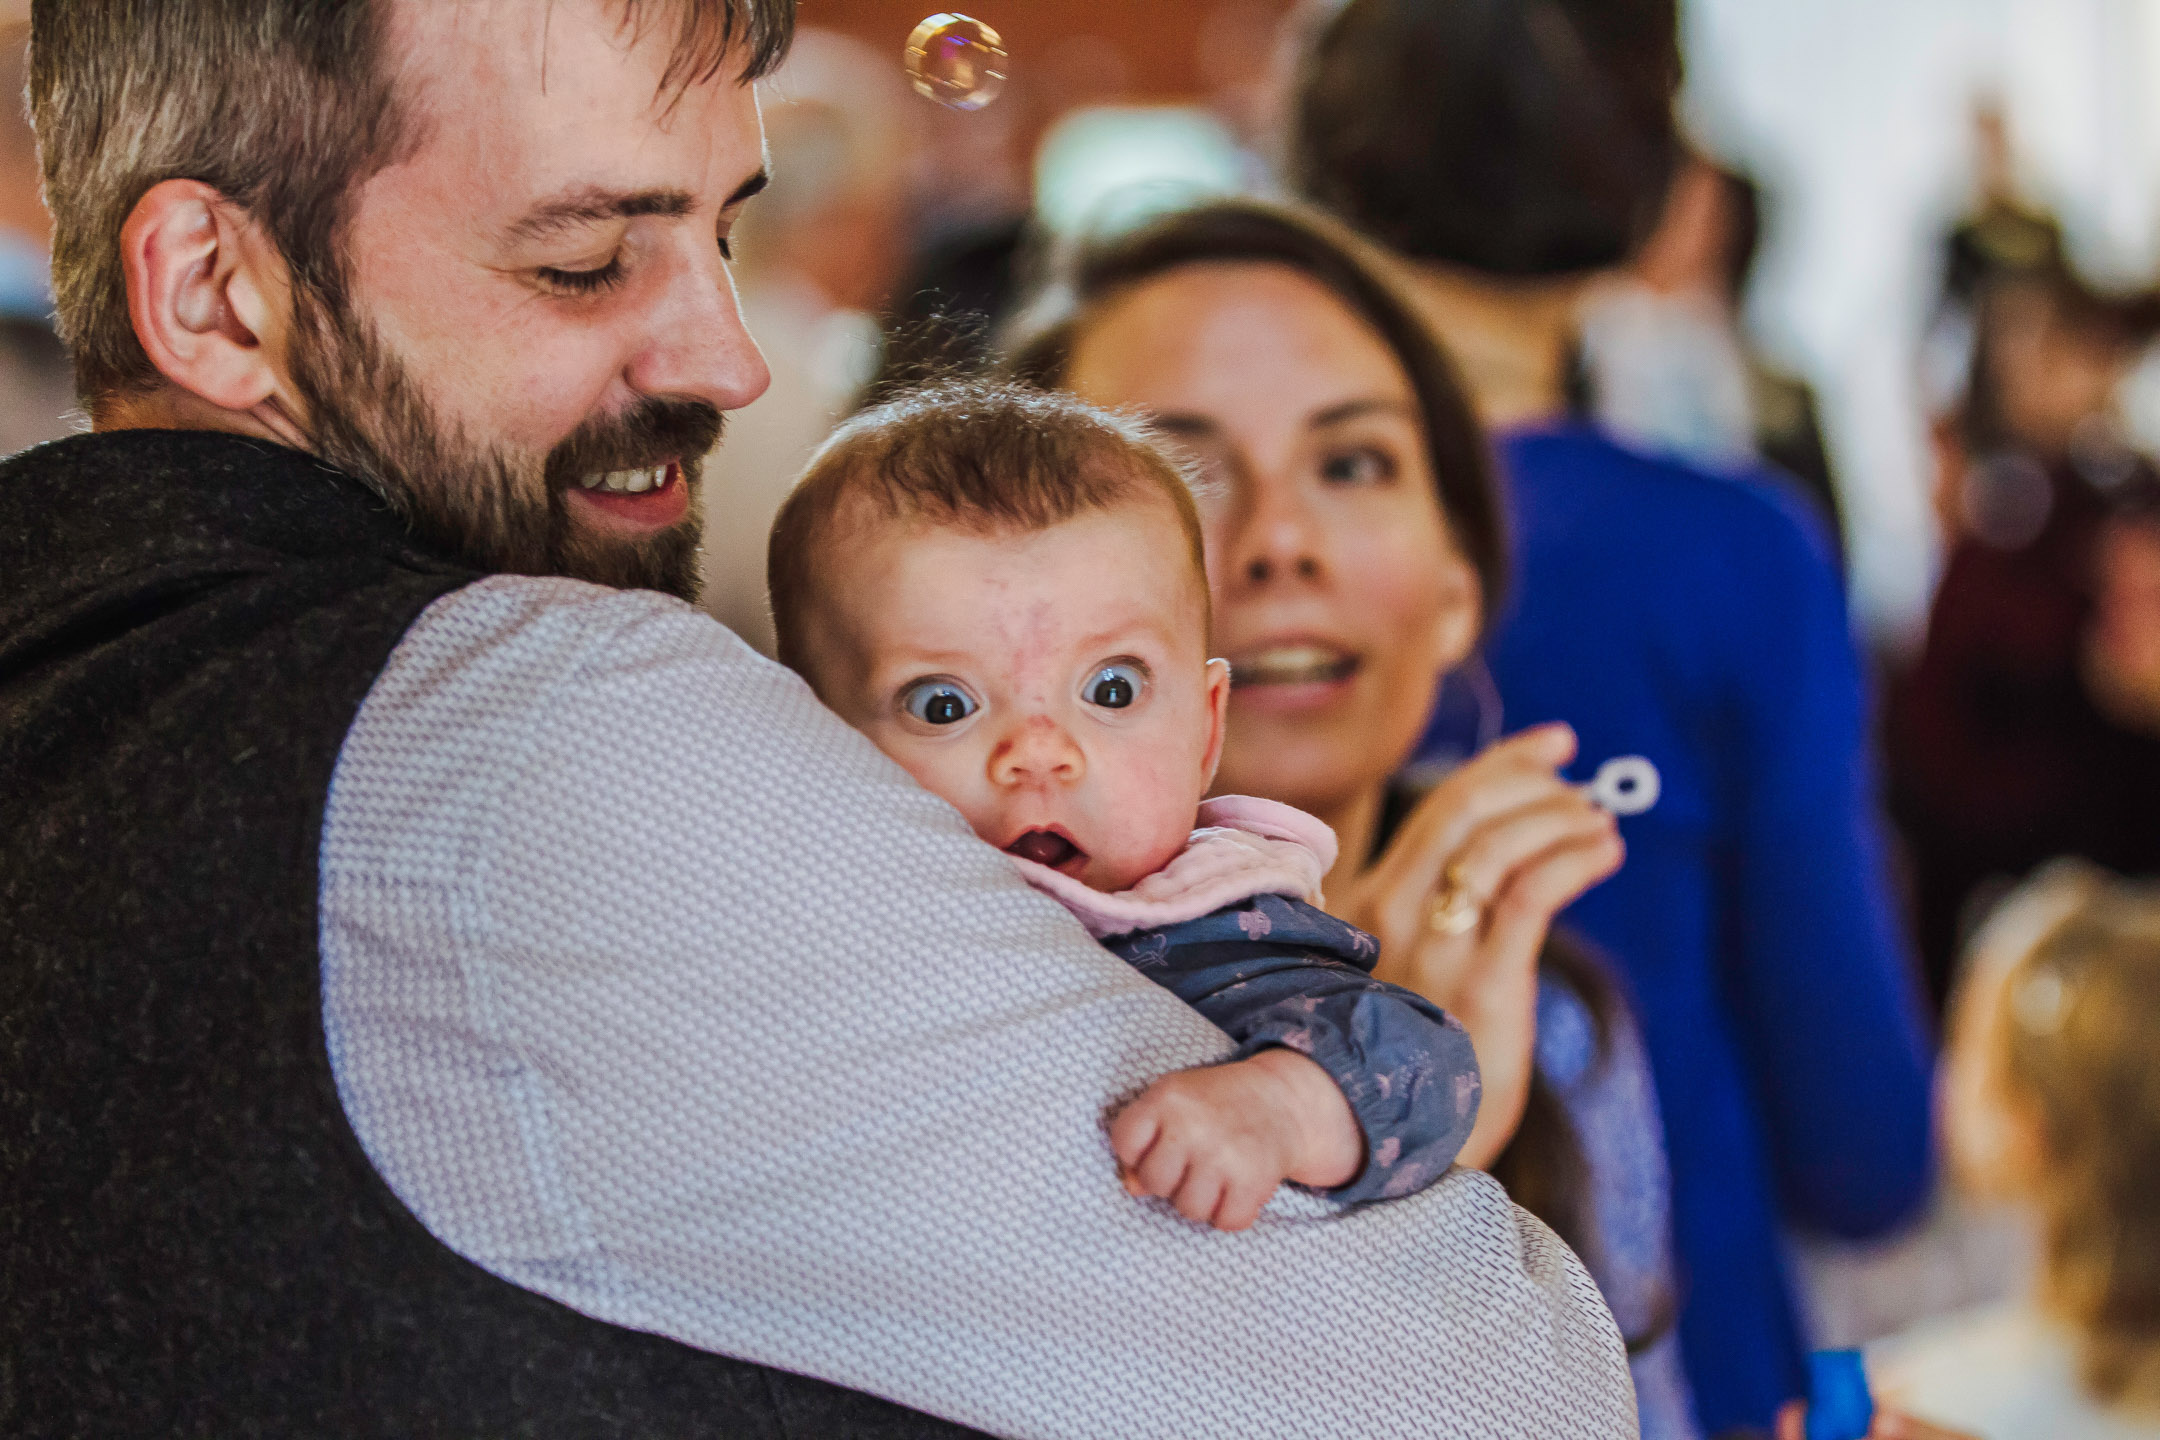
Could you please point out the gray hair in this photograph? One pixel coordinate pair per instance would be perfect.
(282, 106)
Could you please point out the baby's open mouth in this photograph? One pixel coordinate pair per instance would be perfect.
(1047, 847)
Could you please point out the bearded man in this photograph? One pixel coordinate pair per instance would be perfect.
(448, 985)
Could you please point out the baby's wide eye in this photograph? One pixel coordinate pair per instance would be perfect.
(938, 702)
(1114, 687)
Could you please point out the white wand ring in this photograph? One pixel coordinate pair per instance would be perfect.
(1626, 786)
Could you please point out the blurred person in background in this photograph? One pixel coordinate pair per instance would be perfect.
(1515, 151)
(1666, 362)
(37, 385)
(2051, 1101)
(2121, 658)
(2000, 756)
(1355, 549)
(818, 256)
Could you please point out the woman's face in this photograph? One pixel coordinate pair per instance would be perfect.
(1340, 595)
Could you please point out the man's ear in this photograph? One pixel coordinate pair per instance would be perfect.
(1218, 703)
(210, 298)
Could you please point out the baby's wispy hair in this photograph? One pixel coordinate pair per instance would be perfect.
(974, 455)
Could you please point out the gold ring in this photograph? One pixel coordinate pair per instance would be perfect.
(1456, 910)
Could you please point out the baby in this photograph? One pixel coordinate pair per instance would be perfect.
(1005, 590)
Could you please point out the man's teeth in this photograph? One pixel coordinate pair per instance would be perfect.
(1292, 665)
(628, 482)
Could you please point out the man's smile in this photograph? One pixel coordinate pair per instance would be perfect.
(648, 499)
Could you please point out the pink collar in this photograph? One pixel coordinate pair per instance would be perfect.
(1245, 846)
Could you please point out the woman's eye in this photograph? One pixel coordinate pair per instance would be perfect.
(1357, 467)
(938, 702)
(1114, 687)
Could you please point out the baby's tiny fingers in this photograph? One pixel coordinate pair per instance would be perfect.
(1163, 1171)
(1134, 1132)
(1241, 1206)
(1200, 1196)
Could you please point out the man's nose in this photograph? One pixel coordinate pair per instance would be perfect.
(697, 346)
(1039, 751)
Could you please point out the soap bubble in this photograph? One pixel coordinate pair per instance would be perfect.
(957, 61)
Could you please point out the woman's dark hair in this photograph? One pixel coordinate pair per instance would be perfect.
(1511, 137)
(1231, 231)
(1543, 1167)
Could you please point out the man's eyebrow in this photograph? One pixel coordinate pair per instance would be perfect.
(748, 188)
(596, 204)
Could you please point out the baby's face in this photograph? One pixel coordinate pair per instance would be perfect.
(1052, 685)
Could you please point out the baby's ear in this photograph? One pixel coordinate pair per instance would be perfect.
(1218, 702)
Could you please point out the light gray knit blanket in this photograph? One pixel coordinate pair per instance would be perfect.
(652, 987)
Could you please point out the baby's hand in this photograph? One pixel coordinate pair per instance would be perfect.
(1215, 1142)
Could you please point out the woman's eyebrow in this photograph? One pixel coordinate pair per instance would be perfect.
(1184, 425)
(1357, 409)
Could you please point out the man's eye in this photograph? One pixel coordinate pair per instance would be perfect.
(1114, 687)
(584, 282)
(938, 702)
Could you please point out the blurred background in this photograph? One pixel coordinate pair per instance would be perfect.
(1868, 128)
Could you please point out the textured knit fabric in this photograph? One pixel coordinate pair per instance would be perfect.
(1699, 620)
(1245, 846)
(653, 988)
(191, 1240)
(1276, 972)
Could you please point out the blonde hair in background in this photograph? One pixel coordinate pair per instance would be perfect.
(2067, 990)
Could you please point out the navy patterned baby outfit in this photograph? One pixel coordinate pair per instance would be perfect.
(1274, 971)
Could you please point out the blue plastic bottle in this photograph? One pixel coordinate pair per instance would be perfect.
(1839, 1405)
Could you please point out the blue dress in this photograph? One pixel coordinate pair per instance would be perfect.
(1612, 1106)
(1699, 620)
(1271, 971)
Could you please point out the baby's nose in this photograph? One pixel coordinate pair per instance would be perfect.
(1037, 752)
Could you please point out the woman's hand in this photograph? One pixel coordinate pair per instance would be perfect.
(1520, 844)
(1889, 1425)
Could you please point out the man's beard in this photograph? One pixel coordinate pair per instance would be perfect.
(492, 508)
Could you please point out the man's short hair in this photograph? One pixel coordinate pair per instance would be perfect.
(282, 106)
(1525, 138)
(979, 456)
